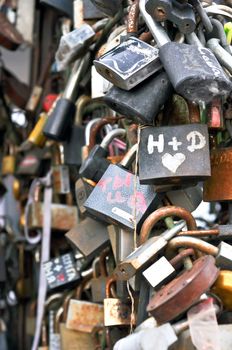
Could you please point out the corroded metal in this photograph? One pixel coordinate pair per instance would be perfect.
(181, 293)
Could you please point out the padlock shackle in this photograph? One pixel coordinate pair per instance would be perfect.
(88, 128)
(102, 262)
(97, 127)
(191, 242)
(109, 282)
(58, 318)
(193, 39)
(129, 156)
(162, 213)
(156, 29)
(82, 101)
(132, 18)
(181, 256)
(110, 136)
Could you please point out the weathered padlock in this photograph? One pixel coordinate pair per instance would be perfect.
(61, 271)
(82, 192)
(188, 198)
(162, 271)
(109, 8)
(89, 236)
(118, 196)
(33, 164)
(129, 63)
(142, 103)
(61, 118)
(73, 44)
(95, 165)
(197, 75)
(185, 290)
(60, 172)
(174, 155)
(76, 138)
(98, 282)
(116, 311)
(9, 161)
(181, 14)
(145, 253)
(84, 316)
(218, 186)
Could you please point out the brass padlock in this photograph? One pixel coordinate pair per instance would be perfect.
(60, 173)
(9, 160)
(36, 136)
(223, 288)
(116, 311)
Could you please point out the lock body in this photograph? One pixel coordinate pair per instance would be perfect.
(129, 63)
(167, 154)
(142, 103)
(110, 8)
(114, 196)
(72, 146)
(200, 77)
(61, 272)
(218, 186)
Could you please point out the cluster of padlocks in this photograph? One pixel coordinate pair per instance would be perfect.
(128, 132)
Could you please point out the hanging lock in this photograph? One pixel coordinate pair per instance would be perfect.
(60, 173)
(9, 161)
(116, 311)
(61, 272)
(197, 75)
(98, 282)
(174, 156)
(150, 247)
(95, 165)
(181, 14)
(184, 291)
(114, 196)
(129, 63)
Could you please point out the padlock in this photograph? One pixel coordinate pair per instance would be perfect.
(84, 316)
(9, 161)
(174, 155)
(72, 339)
(185, 290)
(90, 11)
(143, 103)
(197, 75)
(114, 197)
(116, 311)
(61, 272)
(162, 271)
(98, 282)
(129, 63)
(145, 253)
(36, 136)
(181, 14)
(73, 44)
(189, 198)
(57, 125)
(76, 138)
(222, 253)
(222, 288)
(60, 172)
(109, 8)
(33, 163)
(89, 236)
(82, 192)
(95, 165)
(65, 7)
(149, 248)
(218, 187)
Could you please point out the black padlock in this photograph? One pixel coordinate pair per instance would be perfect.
(63, 6)
(181, 14)
(61, 271)
(174, 154)
(142, 103)
(193, 71)
(95, 165)
(129, 63)
(62, 116)
(32, 164)
(110, 8)
(113, 198)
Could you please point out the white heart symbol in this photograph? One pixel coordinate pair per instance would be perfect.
(172, 163)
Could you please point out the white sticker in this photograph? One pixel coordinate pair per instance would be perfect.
(122, 214)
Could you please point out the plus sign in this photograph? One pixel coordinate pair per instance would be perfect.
(175, 144)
